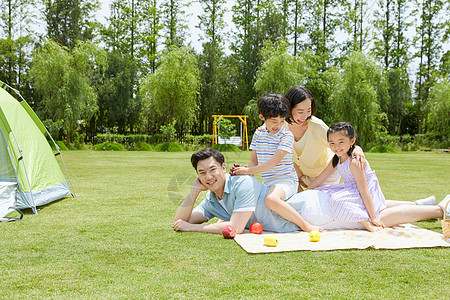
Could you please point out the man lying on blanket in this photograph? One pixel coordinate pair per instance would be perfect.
(239, 201)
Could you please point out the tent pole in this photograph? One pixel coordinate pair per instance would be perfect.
(64, 164)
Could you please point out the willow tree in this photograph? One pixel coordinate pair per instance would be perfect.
(279, 70)
(63, 79)
(171, 92)
(355, 97)
(439, 108)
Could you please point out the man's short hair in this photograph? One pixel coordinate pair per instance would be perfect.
(205, 154)
(273, 106)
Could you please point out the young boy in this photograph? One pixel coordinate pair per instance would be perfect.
(271, 156)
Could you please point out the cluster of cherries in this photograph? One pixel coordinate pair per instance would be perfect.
(232, 173)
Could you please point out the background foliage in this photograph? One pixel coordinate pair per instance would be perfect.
(382, 65)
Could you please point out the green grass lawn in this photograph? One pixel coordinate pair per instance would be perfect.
(115, 240)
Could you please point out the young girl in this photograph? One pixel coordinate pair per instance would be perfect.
(359, 198)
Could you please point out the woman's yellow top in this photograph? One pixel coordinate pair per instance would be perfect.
(313, 154)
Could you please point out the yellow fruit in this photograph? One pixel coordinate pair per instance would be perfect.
(270, 240)
(314, 236)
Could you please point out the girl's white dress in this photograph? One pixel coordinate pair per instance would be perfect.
(346, 203)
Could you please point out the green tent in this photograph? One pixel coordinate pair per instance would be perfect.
(30, 175)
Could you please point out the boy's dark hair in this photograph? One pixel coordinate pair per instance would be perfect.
(205, 154)
(297, 94)
(273, 106)
(349, 131)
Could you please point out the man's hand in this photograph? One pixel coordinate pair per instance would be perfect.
(180, 225)
(198, 185)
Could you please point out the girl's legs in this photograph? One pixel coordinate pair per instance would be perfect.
(400, 214)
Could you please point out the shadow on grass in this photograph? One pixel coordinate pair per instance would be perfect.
(29, 211)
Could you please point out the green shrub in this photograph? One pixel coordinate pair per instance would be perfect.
(144, 147)
(78, 140)
(226, 148)
(192, 148)
(413, 142)
(168, 131)
(197, 140)
(156, 138)
(108, 146)
(168, 147)
(382, 149)
(131, 141)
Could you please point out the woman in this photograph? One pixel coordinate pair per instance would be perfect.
(311, 151)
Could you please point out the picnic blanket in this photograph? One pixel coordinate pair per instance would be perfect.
(400, 237)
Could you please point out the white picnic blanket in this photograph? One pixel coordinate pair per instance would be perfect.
(402, 236)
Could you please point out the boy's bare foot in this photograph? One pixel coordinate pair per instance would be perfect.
(309, 228)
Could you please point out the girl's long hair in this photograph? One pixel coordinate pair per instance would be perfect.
(349, 132)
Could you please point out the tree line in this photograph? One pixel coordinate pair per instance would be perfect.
(381, 65)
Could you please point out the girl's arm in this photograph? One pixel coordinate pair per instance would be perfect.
(329, 169)
(252, 170)
(361, 182)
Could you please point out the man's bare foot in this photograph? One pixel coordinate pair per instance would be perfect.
(370, 227)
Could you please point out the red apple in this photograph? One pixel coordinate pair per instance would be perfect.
(229, 232)
(256, 228)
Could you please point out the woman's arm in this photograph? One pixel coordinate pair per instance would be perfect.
(301, 183)
(329, 169)
(360, 158)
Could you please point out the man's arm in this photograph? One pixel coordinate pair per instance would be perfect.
(184, 212)
(238, 221)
